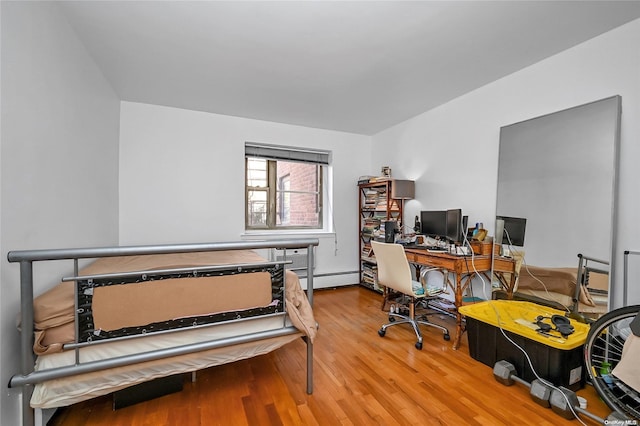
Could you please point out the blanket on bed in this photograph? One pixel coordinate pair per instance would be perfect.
(143, 303)
(554, 280)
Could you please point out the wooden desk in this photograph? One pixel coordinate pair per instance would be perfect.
(464, 268)
(504, 268)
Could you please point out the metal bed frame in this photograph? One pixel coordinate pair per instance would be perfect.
(28, 377)
(582, 279)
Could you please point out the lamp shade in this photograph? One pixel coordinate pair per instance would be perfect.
(403, 189)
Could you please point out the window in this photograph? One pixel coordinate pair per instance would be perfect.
(284, 187)
(284, 200)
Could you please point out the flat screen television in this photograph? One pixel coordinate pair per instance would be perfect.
(433, 223)
(514, 228)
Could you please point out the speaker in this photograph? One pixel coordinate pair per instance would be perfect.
(390, 231)
(417, 227)
(499, 234)
(498, 239)
(465, 224)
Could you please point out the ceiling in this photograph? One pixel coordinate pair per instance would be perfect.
(354, 66)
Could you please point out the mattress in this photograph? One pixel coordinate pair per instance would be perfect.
(70, 390)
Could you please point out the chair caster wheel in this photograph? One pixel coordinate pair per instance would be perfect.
(419, 345)
(392, 319)
(382, 332)
(446, 337)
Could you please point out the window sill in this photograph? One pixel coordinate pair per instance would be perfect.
(248, 235)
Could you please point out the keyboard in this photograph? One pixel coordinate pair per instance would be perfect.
(428, 248)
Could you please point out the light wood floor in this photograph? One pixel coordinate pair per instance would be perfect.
(359, 377)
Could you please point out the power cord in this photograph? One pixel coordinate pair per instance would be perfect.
(530, 363)
(526, 266)
(502, 331)
(524, 352)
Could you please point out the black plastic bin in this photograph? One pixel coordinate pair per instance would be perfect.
(556, 359)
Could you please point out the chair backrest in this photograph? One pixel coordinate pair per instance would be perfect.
(393, 267)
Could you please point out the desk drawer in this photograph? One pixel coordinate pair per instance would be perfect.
(433, 259)
(458, 264)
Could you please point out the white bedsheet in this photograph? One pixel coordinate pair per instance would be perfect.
(70, 390)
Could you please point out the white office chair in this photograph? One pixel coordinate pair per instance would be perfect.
(394, 273)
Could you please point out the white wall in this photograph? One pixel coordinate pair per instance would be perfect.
(59, 148)
(452, 150)
(182, 179)
(181, 172)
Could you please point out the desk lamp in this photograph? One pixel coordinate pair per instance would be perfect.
(402, 190)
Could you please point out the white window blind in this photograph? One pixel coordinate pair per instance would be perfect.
(275, 152)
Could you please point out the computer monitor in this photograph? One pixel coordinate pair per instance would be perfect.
(454, 226)
(434, 223)
(514, 228)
